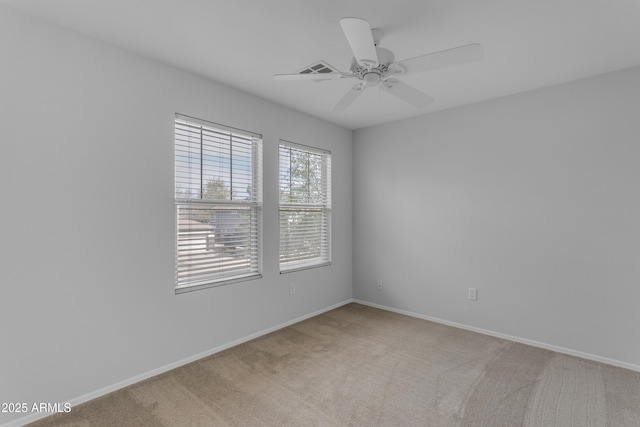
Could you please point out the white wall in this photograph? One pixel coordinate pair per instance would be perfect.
(87, 229)
(533, 199)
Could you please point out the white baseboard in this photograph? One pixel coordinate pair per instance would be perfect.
(117, 386)
(546, 346)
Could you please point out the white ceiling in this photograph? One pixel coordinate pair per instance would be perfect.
(242, 43)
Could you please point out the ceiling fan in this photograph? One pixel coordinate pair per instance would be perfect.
(376, 66)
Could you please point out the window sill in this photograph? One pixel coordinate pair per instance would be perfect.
(303, 266)
(205, 285)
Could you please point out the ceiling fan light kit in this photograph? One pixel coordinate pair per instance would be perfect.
(376, 66)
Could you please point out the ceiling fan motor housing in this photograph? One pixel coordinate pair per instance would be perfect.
(372, 75)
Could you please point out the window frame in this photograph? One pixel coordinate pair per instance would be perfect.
(254, 207)
(325, 236)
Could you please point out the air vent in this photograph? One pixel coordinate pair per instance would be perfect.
(319, 67)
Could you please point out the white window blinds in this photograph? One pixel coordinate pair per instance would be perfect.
(218, 182)
(305, 206)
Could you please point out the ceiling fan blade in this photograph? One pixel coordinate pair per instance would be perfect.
(349, 97)
(358, 34)
(407, 93)
(311, 76)
(444, 58)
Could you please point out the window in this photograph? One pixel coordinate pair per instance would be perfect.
(218, 182)
(305, 207)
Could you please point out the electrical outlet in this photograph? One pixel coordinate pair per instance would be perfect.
(379, 285)
(473, 294)
(292, 289)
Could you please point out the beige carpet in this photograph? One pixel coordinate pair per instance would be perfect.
(360, 366)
